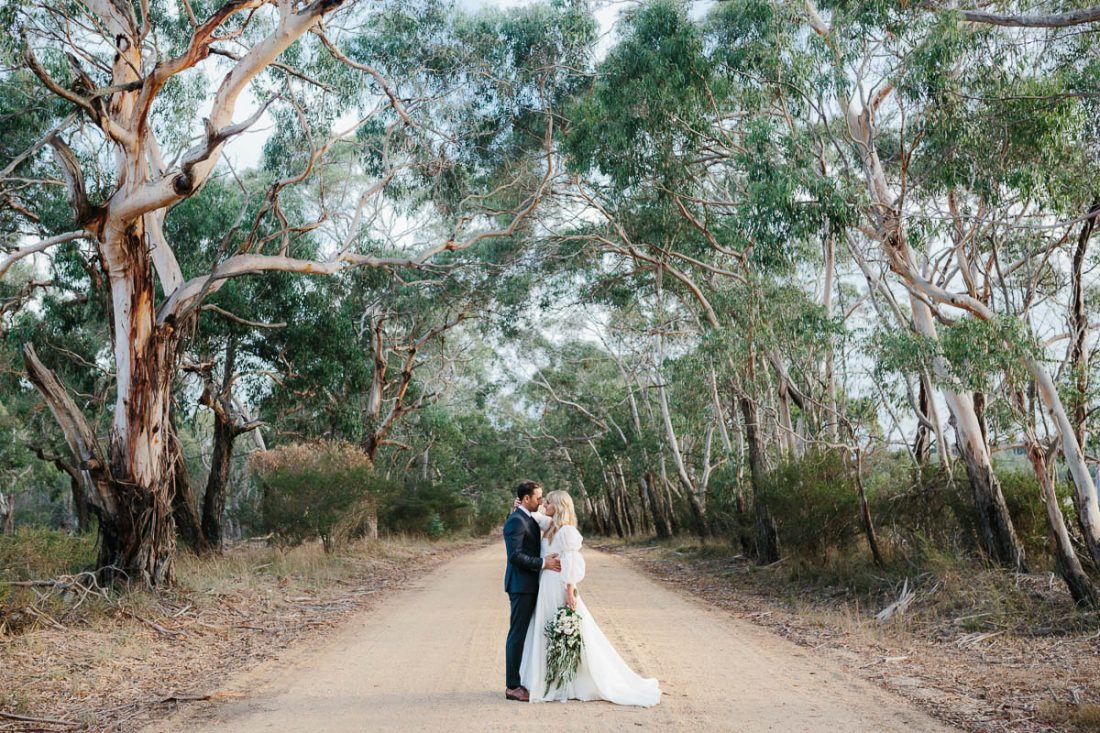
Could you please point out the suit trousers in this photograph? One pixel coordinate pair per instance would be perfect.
(523, 608)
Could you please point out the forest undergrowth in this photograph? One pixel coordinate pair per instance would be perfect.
(974, 646)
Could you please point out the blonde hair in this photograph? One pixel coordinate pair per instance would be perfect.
(564, 513)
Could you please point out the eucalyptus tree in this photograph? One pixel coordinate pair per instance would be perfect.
(703, 191)
(234, 352)
(585, 407)
(68, 322)
(135, 77)
(639, 151)
(779, 139)
(911, 107)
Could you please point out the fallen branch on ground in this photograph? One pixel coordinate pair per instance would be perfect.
(46, 721)
(899, 606)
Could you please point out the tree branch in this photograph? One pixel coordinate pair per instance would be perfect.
(1055, 20)
(199, 163)
(83, 211)
(30, 249)
(78, 434)
(91, 105)
(394, 101)
(194, 290)
(237, 319)
(44, 140)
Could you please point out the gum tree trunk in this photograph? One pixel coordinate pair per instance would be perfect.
(1078, 352)
(1065, 559)
(767, 535)
(138, 541)
(184, 505)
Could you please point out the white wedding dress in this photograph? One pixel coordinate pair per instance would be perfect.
(602, 674)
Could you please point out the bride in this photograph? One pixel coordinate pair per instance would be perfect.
(601, 674)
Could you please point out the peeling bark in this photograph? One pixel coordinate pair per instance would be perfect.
(1066, 561)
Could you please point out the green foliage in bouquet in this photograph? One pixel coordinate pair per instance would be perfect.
(563, 647)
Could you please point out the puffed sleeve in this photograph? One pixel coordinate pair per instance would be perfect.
(542, 519)
(572, 562)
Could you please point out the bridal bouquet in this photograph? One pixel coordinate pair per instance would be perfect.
(563, 647)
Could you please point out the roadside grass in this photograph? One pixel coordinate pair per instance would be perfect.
(114, 660)
(978, 647)
(65, 594)
(961, 591)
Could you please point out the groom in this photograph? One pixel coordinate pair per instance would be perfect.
(521, 580)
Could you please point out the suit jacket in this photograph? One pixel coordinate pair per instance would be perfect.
(521, 542)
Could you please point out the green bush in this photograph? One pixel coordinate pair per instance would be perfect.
(1025, 505)
(412, 508)
(724, 504)
(434, 526)
(491, 510)
(914, 512)
(36, 552)
(324, 489)
(938, 511)
(814, 503)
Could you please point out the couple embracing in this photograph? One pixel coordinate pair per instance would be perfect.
(545, 566)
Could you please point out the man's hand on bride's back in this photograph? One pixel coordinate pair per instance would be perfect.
(552, 562)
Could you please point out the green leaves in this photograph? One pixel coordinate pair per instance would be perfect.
(979, 350)
(651, 90)
(977, 353)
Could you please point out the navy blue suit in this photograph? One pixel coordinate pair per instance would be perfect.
(521, 581)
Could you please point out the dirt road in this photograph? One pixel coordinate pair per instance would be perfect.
(431, 658)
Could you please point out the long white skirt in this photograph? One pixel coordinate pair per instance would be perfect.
(601, 675)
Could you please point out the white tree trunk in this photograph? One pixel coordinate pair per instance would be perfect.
(832, 419)
(1088, 507)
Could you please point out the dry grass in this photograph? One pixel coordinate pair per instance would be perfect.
(978, 648)
(116, 662)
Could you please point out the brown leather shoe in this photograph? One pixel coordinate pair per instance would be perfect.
(519, 694)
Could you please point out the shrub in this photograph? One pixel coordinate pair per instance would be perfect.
(723, 510)
(813, 501)
(914, 512)
(491, 510)
(434, 526)
(938, 511)
(323, 489)
(36, 553)
(411, 508)
(1025, 505)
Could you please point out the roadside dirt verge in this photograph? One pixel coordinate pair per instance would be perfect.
(141, 656)
(968, 670)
